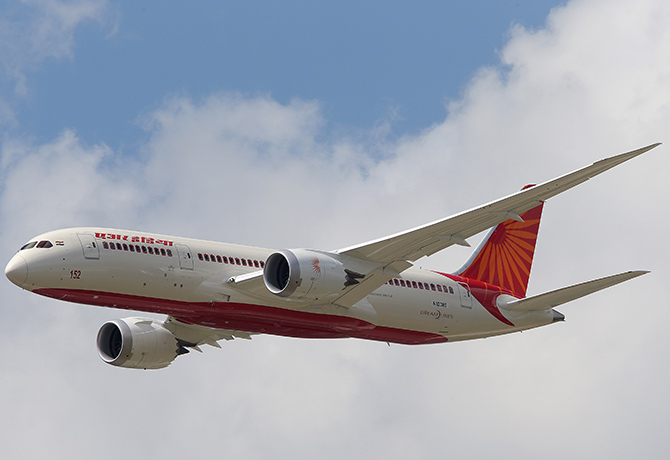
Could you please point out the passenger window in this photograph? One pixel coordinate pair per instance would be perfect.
(125, 247)
(105, 245)
(262, 264)
(28, 245)
(144, 249)
(420, 285)
(218, 259)
(150, 249)
(402, 283)
(137, 248)
(200, 256)
(112, 246)
(169, 252)
(225, 259)
(206, 257)
(213, 257)
(256, 264)
(162, 251)
(118, 246)
(244, 262)
(439, 288)
(132, 248)
(451, 290)
(432, 286)
(396, 282)
(414, 284)
(237, 261)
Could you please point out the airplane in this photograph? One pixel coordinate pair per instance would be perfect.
(213, 291)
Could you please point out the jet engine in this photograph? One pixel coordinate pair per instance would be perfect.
(140, 343)
(307, 274)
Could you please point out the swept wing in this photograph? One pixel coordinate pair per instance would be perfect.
(391, 255)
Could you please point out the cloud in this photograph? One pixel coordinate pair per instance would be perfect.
(33, 31)
(251, 170)
(64, 182)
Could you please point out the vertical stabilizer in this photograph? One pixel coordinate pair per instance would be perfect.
(504, 258)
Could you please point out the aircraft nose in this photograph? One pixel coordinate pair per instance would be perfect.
(17, 270)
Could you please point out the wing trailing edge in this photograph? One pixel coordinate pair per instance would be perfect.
(193, 335)
(558, 297)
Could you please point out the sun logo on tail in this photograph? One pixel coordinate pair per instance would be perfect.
(506, 257)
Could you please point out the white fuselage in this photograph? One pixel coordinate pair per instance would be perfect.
(187, 279)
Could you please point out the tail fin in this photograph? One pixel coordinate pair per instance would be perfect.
(504, 258)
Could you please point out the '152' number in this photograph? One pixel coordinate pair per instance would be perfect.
(75, 274)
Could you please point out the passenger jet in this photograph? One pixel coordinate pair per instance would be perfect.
(214, 291)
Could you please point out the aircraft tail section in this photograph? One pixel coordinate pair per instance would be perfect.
(504, 258)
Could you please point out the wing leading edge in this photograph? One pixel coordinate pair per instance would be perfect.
(389, 256)
(428, 239)
(394, 254)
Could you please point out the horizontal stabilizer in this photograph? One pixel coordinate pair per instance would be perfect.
(552, 299)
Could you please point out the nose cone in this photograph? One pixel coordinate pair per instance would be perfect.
(17, 270)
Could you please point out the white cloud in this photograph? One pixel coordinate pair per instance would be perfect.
(64, 182)
(36, 30)
(250, 170)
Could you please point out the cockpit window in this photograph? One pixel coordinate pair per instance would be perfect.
(29, 245)
(44, 244)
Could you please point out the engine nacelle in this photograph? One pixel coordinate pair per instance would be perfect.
(137, 343)
(307, 274)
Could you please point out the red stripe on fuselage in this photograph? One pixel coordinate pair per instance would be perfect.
(486, 294)
(249, 317)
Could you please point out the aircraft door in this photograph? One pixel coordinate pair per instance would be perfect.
(185, 256)
(466, 296)
(89, 246)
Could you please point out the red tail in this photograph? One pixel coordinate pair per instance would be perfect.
(504, 258)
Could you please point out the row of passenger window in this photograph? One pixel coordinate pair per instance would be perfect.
(420, 285)
(231, 260)
(137, 248)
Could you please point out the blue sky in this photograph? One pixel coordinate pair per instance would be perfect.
(365, 62)
(299, 125)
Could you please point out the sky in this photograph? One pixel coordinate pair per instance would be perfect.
(326, 125)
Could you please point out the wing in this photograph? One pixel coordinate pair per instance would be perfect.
(394, 253)
(428, 239)
(382, 259)
(192, 336)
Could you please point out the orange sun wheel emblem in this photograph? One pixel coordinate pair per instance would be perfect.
(315, 266)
